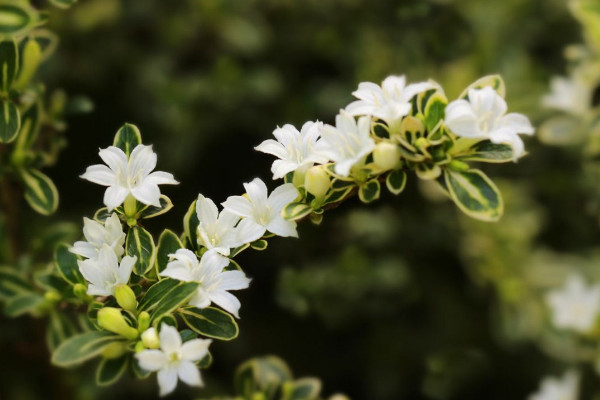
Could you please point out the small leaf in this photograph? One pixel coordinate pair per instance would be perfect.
(9, 64)
(153, 211)
(475, 194)
(259, 244)
(369, 191)
(59, 329)
(110, 370)
(10, 121)
(435, 110)
(486, 151)
(127, 138)
(40, 192)
(335, 196)
(396, 181)
(66, 263)
(177, 297)
(80, 348)
(295, 211)
(47, 40)
(156, 292)
(168, 243)
(494, 81)
(23, 303)
(31, 55)
(140, 243)
(190, 226)
(211, 322)
(30, 127)
(102, 215)
(12, 283)
(16, 17)
(302, 389)
(63, 3)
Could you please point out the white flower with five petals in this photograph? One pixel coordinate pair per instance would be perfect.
(105, 273)
(261, 212)
(575, 306)
(348, 142)
(565, 388)
(571, 95)
(214, 282)
(132, 175)
(483, 116)
(295, 149)
(388, 102)
(97, 235)
(174, 360)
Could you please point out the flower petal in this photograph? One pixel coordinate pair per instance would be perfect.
(206, 210)
(282, 196)
(226, 301)
(152, 360)
(100, 174)
(238, 205)
(188, 373)
(114, 196)
(170, 341)
(282, 227)
(115, 158)
(147, 193)
(167, 380)
(195, 349)
(234, 280)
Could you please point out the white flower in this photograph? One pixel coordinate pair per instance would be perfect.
(104, 273)
(98, 235)
(214, 282)
(348, 142)
(294, 149)
(261, 213)
(129, 176)
(174, 359)
(568, 94)
(483, 117)
(565, 388)
(575, 306)
(218, 231)
(388, 102)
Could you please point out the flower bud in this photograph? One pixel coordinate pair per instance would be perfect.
(52, 296)
(143, 321)
(130, 206)
(114, 350)
(125, 297)
(458, 165)
(386, 155)
(80, 291)
(150, 339)
(139, 347)
(112, 320)
(316, 182)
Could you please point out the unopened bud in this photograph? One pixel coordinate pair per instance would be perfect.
(80, 291)
(112, 320)
(52, 296)
(458, 165)
(316, 182)
(139, 347)
(114, 350)
(386, 155)
(126, 298)
(150, 339)
(130, 206)
(143, 321)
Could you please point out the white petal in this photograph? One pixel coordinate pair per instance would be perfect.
(167, 380)
(188, 373)
(107, 259)
(272, 147)
(238, 205)
(94, 232)
(226, 301)
(114, 196)
(126, 267)
(282, 196)
(94, 290)
(141, 161)
(91, 271)
(200, 298)
(170, 341)
(161, 178)
(248, 231)
(342, 168)
(152, 360)
(518, 122)
(206, 210)
(282, 227)
(100, 174)
(281, 168)
(179, 271)
(257, 191)
(511, 139)
(234, 280)
(359, 107)
(115, 158)
(195, 349)
(147, 193)
(286, 134)
(84, 249)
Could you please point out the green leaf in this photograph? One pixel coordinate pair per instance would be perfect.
(23, 303)
(110, 370)
(168, 243)
(30, 127)
(12, 283)
(127, 137)
(156, 292)
(40, 192)
(152, 211)
(80, 348)
(102, 215)
(210, 322)
(264, 374)
(140, 243)
(190, 226)
(66, 263)
(9, 63)
(260, 244)
(295, 211)
(435, 110)
(10, 121)
(396, 181)
(369, 191)
(47, 40)
(59, 329)
(494, 81)
(486, 151)
(49, 280)
(177, 297)
(302, 389)
(63, 3)
(335, 196)
(138, 371)
(16, 17)
(475, 194)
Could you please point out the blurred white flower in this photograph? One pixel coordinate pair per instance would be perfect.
(575, 306)
(348, 142)
(482, 116)
(388, 102)
(569, 95)
(261, 213)
(97, 235)
(129, 176)
(214, 282)
(175, 360)
(565, 388)
(104, 273)
(295, 149)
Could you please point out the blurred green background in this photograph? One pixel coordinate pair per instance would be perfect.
(403, 299)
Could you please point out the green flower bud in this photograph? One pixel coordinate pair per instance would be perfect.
(143, 321)
(52, 296)
(130, 207)
(458, 165)
(114, 350)
(126, 298)
(150, 339)
(386, 155)
(139, 347)
(112, 320)
(316, 182)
